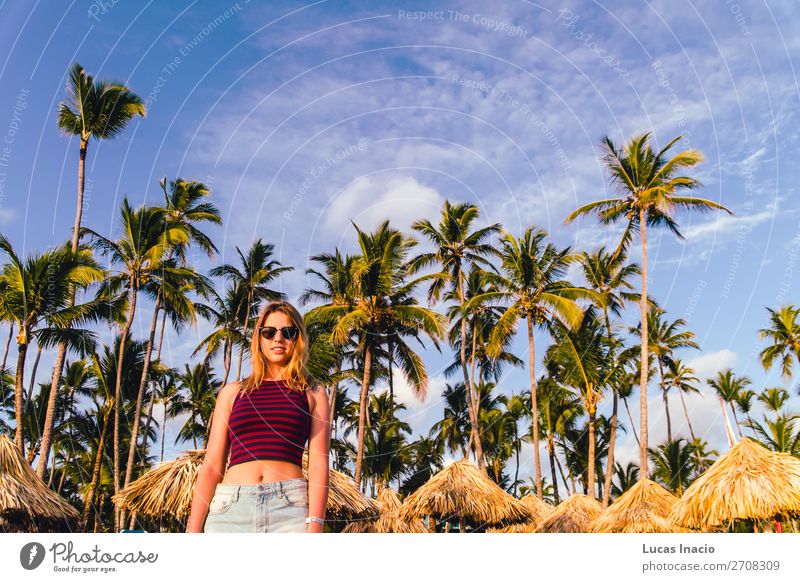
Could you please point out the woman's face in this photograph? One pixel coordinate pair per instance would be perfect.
(277, 350)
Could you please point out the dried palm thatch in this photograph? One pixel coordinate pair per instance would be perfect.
(747, 482)
(26, 503)
(641, 509)
(165, 490)
(573, 515)
(389, 520)
(462, 491)
(539, 510)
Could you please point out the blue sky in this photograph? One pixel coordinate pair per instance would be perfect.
(303, 117)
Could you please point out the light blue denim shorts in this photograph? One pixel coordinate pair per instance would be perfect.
(277, 507)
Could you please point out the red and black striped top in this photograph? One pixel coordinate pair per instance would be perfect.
(271, 422)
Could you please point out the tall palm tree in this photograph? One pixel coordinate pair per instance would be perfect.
(452, 431)
(664, 340)
(784, 334)
(774, 399)
(257, 271)
(456, 246)
(35, 295)
(727, 386)
(608, 277)
(627, 477)
(384, 301)
(682, 378)
(141, 253)
(199, 388)
(648, 182)
(532, 281)
(227, 334)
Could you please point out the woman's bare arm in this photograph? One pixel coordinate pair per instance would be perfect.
(212, 471)
(318, 450)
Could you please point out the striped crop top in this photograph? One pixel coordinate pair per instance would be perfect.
(271, 422)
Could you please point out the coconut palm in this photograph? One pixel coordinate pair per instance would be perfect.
(648, 182)
(682, 379)
(387, 453)
(781, 434)
(452, 431)
(227, 334)
(727, 386)
(199, 389)
(257, 271)
(664, 341)
(626, 477)
(427, 459)
(673, 465)
(456, 247)
(35, 295)
(532, 282)
(385, 301)
(141, 252)
(774, 399)
(783, 334)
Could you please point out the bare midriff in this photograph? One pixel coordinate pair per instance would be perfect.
(261, 471)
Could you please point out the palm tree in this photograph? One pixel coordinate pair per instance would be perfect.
(384, 301)
(774, 399)
(682, 378)
(609, 278)
(784, 335)
(35, 295)
(626, 478)
(664, 340)
(141, 251)
(452, 431)
(227, 334)
(257, 271)
(648, 182)
(532, 282)
(456, 247)
(727, 386)
(198, 386)
(673, 465)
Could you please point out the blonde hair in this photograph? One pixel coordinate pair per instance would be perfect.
(296, 375)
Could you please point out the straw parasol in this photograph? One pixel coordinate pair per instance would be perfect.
(573, 515)
(462, 491)
(539, 510)
(26, 503)
(389, 520)
(167, 490)
(747, 482)
(641, 509)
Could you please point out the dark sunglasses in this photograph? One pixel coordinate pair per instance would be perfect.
(288, 333)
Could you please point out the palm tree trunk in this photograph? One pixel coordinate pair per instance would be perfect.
(471, 407)
(118, 389)
(686, 412)
(150, 405)
(551, 452)
(666, 401)
(568, 485)
(76, 230)
(163, 430)
(591, 460)
(736, 420)
(516, 468)
(362, 410)
(246, 328)
(34, 368)
(63, 470)
(643, 468)
(140, 397)
(475, 397)
(22, 349)
(728, 429)
(630, 417)
(98, 459)
(534, 407)
(49, 419)
(53, 471)
(334, 393)
(8, 345)
(612, 443)
(226, 361)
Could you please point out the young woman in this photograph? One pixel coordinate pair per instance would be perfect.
(264, 422)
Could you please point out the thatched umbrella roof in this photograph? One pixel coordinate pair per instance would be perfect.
(747, 482)
(167, 490)
(641, 509)
(539, 510)
(573, 515)
(26, 503)
(462, 491)
(389, 520)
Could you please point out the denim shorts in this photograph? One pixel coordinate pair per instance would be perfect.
(277, 507)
